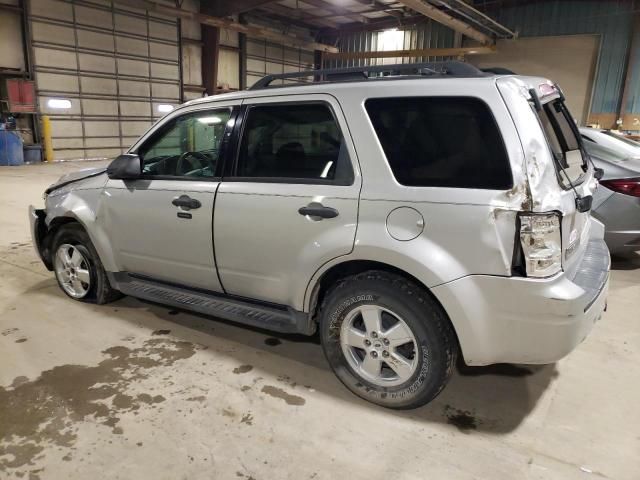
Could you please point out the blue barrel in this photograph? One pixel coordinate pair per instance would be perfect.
(10, 148)
(32, 153)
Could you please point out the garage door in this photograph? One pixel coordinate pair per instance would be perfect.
(103, 73)
(568, 60)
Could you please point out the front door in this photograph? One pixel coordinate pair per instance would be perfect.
(291, 201)
(161, 224)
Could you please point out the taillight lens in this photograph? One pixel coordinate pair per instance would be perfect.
(541, 243)
(627, 186)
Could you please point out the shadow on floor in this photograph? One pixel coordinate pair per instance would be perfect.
(494, 399)
(626, 261)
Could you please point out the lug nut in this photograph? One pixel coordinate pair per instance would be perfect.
(374, 334)
(374, 354)
(385, 353)
(385, 341)
(367, 343)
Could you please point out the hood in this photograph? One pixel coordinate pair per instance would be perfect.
(74, 177)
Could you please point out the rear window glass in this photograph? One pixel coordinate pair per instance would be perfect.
(564, 143)
(441, 142)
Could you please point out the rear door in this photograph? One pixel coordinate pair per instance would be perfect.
(290, 201)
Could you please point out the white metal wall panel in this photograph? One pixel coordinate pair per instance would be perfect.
(115, 64)
(264, 58)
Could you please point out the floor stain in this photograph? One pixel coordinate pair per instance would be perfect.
(247, 418)
(243, 369)
(161, 332)
(8, 331)
(227, 412)
(272, 341)
(280, 393)
(200, 398)
(35, 414)
(463, 420)
(21, 340)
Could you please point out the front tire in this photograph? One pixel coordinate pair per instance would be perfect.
(78, 268)
(387, 340)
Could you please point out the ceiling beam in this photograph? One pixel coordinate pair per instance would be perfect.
(226, 8)
(251, 30)
(298, 14)
(434, 13)
(337, 10)
(376, 25)
(420, 52)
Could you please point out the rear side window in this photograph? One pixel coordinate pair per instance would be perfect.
(441, 142)
(293, 141)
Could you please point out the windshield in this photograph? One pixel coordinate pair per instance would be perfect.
(565, 145)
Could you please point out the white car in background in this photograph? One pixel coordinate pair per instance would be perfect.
(609, 139)
(616, 203)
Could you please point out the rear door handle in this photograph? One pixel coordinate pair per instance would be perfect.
(318, 210)
(186, 202)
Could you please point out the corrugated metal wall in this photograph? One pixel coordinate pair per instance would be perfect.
(611, 19)
(113, 63)
(425, 35)
(265, 57)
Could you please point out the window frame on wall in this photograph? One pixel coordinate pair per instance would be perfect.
(344, 177)
(170, 123)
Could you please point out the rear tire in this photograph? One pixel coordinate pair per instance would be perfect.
(78, 268)
(379, 318)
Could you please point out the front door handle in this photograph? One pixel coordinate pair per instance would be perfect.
(186, 202)
(318, 210)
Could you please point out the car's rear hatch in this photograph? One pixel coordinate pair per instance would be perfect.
(557, 168)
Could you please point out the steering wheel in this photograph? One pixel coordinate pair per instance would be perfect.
(190, 157)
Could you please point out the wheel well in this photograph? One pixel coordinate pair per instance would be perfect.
(54, 226)
(353, 267)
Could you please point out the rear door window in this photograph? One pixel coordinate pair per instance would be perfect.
(564, 143)
(284, 142)
(441, 142)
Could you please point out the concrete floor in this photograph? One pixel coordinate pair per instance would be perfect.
(133, 390)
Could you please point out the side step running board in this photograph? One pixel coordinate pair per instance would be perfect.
(285, 320)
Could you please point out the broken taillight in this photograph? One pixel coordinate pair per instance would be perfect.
(627, 186)
(541, 243)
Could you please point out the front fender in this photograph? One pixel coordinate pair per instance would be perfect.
(84, 206)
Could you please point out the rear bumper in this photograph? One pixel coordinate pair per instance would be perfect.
(526, 320)
(38, 233)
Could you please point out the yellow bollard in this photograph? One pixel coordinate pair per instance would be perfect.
(46, 138)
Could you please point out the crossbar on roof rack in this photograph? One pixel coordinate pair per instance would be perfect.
(451, 68)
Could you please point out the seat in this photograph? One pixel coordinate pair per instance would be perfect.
(290, 160)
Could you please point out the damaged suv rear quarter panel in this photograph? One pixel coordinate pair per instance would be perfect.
(442, 252)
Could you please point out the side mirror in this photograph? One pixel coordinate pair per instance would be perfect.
(125, 167)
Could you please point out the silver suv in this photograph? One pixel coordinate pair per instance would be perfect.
(409, 213)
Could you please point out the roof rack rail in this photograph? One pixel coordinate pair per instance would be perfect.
(449, 68)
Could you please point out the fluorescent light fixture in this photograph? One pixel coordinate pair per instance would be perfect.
(165, 108)
(392, 39)
(210, 120)
(59, 103)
